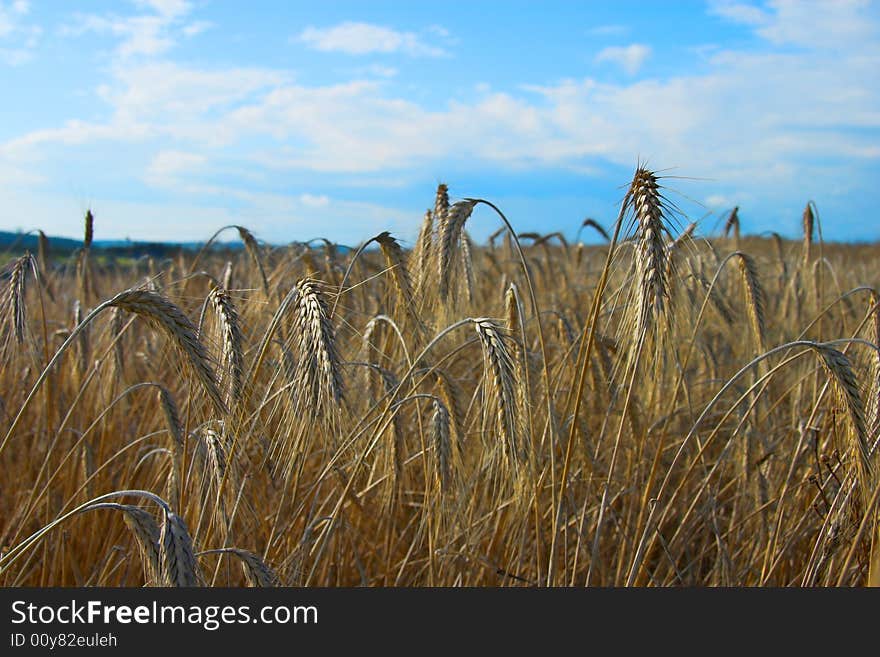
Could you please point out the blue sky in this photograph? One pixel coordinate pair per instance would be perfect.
(171, 118)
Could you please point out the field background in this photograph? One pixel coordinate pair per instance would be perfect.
(653, 408)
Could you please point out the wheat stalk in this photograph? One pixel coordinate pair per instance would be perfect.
(117, 324)
(83, 345)
(589, 222)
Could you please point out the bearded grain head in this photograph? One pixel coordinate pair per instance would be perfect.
(839, 367)
(319, 378)
(653, 286)
(502, 371)
(396, 265)
(89, 230)
(257, 572)
(178, 561)
(143, 525)
(15, 308)
(43, 251)
(809, 220)
(226, 276)
(440, 437)
(754, 298)
(441, 203)
(171, 320)
(146, 532)
(467, 264)
(231, 368)
(253, 249)
(450, 244)
(421, 255)
(732, 225)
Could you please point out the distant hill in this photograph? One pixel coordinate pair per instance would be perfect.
(62, 245)
(21, 241)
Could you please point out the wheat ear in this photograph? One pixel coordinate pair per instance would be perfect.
(232, 353)
(503, 383)
(809, 220)
(178, 562)
(253, 249)
(450, 240)
(142, 525)
(754, 297)
(15, 299)
(420, 257)
(257, 572)
(732, 225)
(442, 443)
(396, 264)
(319, 377)
(653, 287)
(164, 314)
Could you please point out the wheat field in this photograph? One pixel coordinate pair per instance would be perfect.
(651, 407)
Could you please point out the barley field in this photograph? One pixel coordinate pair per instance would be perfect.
(647, 407)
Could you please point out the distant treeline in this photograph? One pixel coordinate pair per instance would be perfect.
(63, 246)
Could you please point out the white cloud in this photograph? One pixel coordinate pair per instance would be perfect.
(166, 8)
(765, 118)
(382, 71)
(739, 12)
(630, 58)
(440, 31)
(314, 201)
(197, 27)
(168, 165)
(159, 101)
(18, 38)
(808, 23)
(358, 127)
(363, 38)
(718, 202)
(148, 34)
(15, 56)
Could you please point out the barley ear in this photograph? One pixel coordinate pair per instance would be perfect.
(178, 562)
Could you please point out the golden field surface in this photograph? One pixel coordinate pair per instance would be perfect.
(653, 409)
